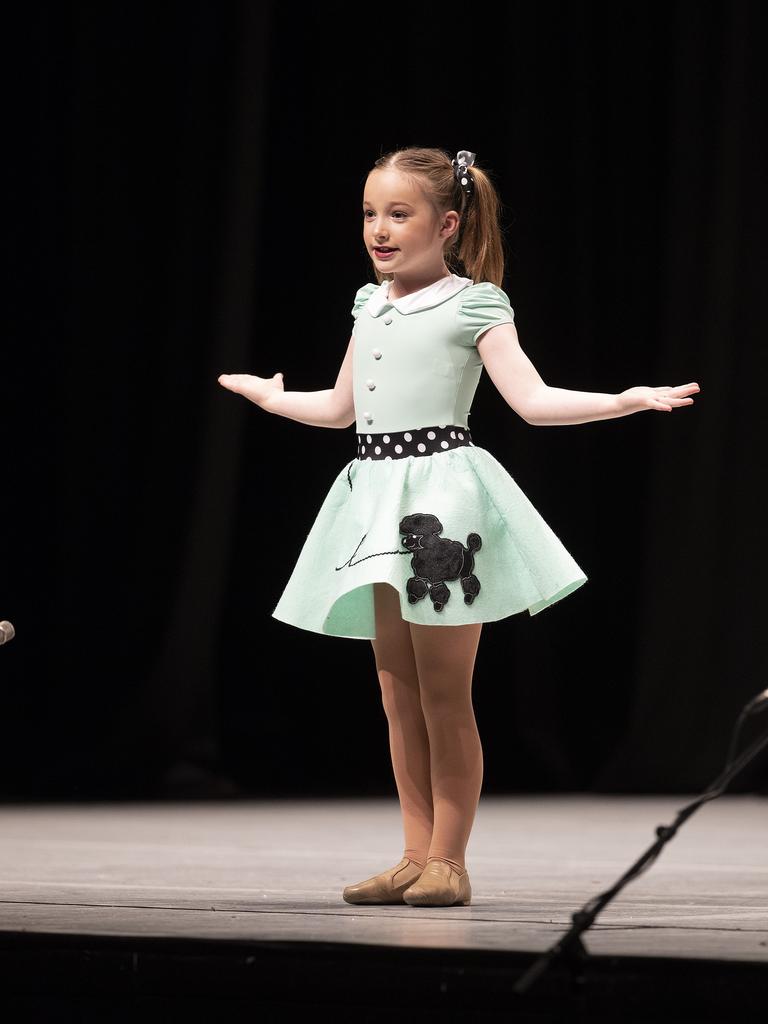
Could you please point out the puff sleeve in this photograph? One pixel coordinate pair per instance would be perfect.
(361, 297)
(484, 305)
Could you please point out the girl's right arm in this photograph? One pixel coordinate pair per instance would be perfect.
(332, 408)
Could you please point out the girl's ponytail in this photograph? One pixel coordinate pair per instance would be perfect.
(479, 245)
(476, 250)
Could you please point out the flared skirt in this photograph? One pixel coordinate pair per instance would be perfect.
(452, 532)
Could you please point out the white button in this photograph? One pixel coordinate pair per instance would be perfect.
(367, 417)
(377, 353)
(367, 436)
(377, 449)
(370, 385)
(388, 320)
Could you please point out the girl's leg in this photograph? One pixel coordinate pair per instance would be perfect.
(445, 658)
(408, 740)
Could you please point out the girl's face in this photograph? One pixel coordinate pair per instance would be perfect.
(397, 217)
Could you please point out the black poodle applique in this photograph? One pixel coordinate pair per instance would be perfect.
(437, 559)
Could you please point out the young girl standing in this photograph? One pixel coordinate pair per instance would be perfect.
(424, 536)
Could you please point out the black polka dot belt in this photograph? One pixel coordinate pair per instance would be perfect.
(420, 441)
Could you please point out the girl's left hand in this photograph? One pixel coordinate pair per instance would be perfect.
(663, 397)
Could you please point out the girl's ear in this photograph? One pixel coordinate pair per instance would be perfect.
(450, 223)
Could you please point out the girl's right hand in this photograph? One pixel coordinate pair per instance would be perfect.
(257, 389)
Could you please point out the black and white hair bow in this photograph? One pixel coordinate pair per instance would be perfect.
(461, 162)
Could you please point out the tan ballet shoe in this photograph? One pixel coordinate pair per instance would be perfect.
(387, 887)
(440, 885)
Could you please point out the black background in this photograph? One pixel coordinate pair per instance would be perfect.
(184, 199)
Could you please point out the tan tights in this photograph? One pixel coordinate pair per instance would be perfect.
(425, 673)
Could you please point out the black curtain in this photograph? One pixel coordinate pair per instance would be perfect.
(184, 200)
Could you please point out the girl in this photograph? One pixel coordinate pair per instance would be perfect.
(424, 536)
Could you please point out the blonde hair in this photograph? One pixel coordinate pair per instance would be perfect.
(476, 248)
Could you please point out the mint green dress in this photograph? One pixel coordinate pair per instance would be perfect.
(415, 365)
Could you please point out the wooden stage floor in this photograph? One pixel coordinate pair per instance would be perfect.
(265, 872)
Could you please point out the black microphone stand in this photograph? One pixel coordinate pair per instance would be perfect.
(570, 948)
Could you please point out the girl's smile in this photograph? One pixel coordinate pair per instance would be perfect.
(383, 252)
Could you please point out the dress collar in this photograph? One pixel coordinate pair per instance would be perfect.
(424, 298)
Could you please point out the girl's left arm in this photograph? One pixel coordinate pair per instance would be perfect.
(521, 387)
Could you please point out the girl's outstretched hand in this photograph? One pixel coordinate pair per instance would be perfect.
(664, 397)
(257, 389)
